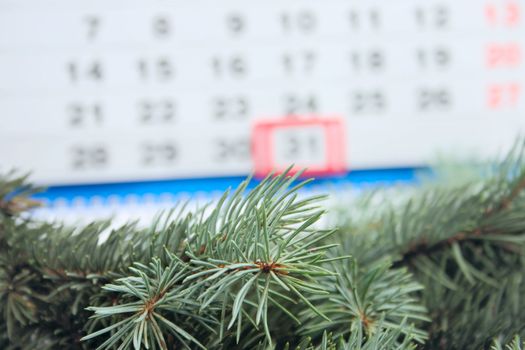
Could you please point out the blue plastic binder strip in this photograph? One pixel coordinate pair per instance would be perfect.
(355, 179)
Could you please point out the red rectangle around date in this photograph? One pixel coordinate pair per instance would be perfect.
(314, 143)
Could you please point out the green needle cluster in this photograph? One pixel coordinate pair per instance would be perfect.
(436, 266)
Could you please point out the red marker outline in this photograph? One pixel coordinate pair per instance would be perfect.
(263, 145)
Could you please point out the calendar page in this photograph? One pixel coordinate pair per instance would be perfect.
(111, 90)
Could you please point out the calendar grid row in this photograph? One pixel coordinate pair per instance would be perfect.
(294, 20)
(476, 99)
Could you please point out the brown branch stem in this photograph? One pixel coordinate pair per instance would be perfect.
(422, 246)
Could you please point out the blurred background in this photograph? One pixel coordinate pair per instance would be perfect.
(125, 107)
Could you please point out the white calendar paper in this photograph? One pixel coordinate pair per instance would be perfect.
(113, 90)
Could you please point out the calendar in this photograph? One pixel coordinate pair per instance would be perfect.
(105, 91)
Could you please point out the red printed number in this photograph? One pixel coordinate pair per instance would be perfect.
(503, 55)
(503, 95)
(314, 143)
(507, 15)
